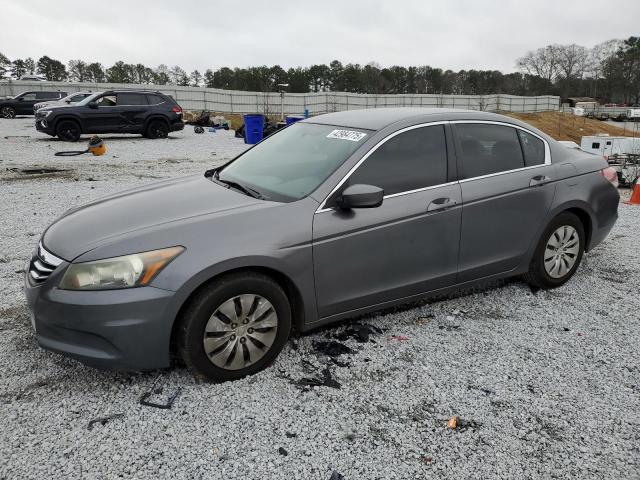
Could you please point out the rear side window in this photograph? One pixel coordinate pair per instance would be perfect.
(532, 147)
(411, 160)
(131, 99)
(155, 99)
(488, 149)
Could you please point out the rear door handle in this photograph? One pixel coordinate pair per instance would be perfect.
(539, 180)
(441, 204)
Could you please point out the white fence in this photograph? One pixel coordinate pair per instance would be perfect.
(232, 101)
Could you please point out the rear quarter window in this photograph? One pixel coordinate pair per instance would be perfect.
(532, 147)
(155, 99)
(487, 149)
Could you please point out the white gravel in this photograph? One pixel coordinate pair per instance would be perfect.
(546, 385)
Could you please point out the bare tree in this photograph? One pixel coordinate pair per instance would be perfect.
(572, 60)
(544, 62)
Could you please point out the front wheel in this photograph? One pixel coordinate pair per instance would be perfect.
(68, 130)
(558, 253)
(8, 112)
(235, 327)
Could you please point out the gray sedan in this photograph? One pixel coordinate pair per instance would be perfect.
(328, 218)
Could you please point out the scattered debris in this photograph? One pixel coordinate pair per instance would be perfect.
(340, 364)
(103, 420)
(449, 328)
(566, 329)
(423, 320)
(331, 348)
(283, 452)
(291, 434)
(458, 424)
(426, 459)
(156, 391)
(452, 423)
(39, 171)
(358, 331)
(399, 338)
(326, 380)
(335, 475)
(198, 129)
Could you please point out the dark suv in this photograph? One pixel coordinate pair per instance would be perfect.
(23, 104)
(152, 114)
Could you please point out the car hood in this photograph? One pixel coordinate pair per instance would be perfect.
(109, 218)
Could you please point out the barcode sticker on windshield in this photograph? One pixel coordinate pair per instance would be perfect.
(350, 135)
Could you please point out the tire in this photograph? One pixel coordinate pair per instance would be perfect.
(557, 247)
(68, 130)
(219, 334)
(157, 129)
(8, 112)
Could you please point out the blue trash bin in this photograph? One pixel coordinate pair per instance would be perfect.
(291, 119)
(253, 128)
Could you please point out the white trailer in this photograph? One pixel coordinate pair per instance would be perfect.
(608, 146)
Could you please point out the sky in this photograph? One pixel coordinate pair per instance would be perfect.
(450, 34)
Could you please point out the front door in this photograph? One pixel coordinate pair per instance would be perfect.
(25, 103)
(408, 245)
(104, 118)
(507, 190)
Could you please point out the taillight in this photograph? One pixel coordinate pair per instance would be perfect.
(610, 174)
(176, 109)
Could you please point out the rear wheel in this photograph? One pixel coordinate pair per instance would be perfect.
(558, 253)
(235, 327)
(157, 129)
(8, 112)
(68, 130)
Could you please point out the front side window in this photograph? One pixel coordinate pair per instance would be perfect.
(532, 147)
(409, 161)
(293, 162)
(28, 96)
(487, 149)
(107, 101)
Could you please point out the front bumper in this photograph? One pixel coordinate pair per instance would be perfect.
(127, 329)
(43, 126)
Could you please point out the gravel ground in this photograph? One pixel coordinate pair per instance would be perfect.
(545, 385)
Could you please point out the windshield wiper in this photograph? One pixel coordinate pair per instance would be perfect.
(238, 186)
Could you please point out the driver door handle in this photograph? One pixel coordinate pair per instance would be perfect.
(539, 180)
(441, 204)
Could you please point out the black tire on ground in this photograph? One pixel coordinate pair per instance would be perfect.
(538, 276)
(190, 333)
(157, 129)
(8, 112)
(68, 130)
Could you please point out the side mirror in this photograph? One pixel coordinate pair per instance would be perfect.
(92, 104)
(67, 101)
(361, 196)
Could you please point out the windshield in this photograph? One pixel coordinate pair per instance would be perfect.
(293, 162)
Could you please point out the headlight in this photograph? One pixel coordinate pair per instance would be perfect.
(135, 270)
(44, 113)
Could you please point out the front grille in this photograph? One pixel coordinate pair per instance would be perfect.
(42, 265)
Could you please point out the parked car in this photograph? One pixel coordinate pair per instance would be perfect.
(72, 98)
(23, 104)
(328, 218)
(32, 78)
(152, 114)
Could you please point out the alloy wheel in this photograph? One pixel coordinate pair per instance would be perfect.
(561, 252)
(8, 112)
(240, 332)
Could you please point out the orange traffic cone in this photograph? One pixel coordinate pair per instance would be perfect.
(635, 195)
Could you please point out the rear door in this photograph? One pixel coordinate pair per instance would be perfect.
(507, 190)
(133, 108)
(408, 245)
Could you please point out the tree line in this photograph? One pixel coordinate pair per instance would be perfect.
(609, 71)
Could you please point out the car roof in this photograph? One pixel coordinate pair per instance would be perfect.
(379, 118)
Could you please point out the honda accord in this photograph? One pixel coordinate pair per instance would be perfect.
(328, 218)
